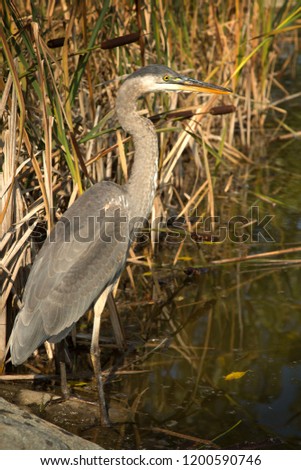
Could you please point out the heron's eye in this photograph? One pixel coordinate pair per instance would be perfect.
(166, 78)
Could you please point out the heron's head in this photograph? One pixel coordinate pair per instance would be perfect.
(154, 78)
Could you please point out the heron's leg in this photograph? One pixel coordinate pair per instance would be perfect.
(61, 357)
(64, 384)
(116, 323)
(95, 356)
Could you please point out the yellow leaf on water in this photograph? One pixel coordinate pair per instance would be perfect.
(235, 375)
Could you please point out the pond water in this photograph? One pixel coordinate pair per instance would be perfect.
(212, 320)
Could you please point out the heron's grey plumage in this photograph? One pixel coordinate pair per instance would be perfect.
(69, 272)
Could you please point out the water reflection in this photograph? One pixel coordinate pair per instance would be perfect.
(282, 411)
(254, 326)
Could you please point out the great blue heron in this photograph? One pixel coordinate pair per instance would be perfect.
(82, 259)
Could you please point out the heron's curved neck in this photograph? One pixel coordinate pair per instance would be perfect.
(142, 183)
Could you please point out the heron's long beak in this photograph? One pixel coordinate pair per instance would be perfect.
(190, 84)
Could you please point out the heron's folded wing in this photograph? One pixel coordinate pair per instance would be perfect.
(84, 254)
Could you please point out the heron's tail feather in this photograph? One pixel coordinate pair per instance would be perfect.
(25, 338)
